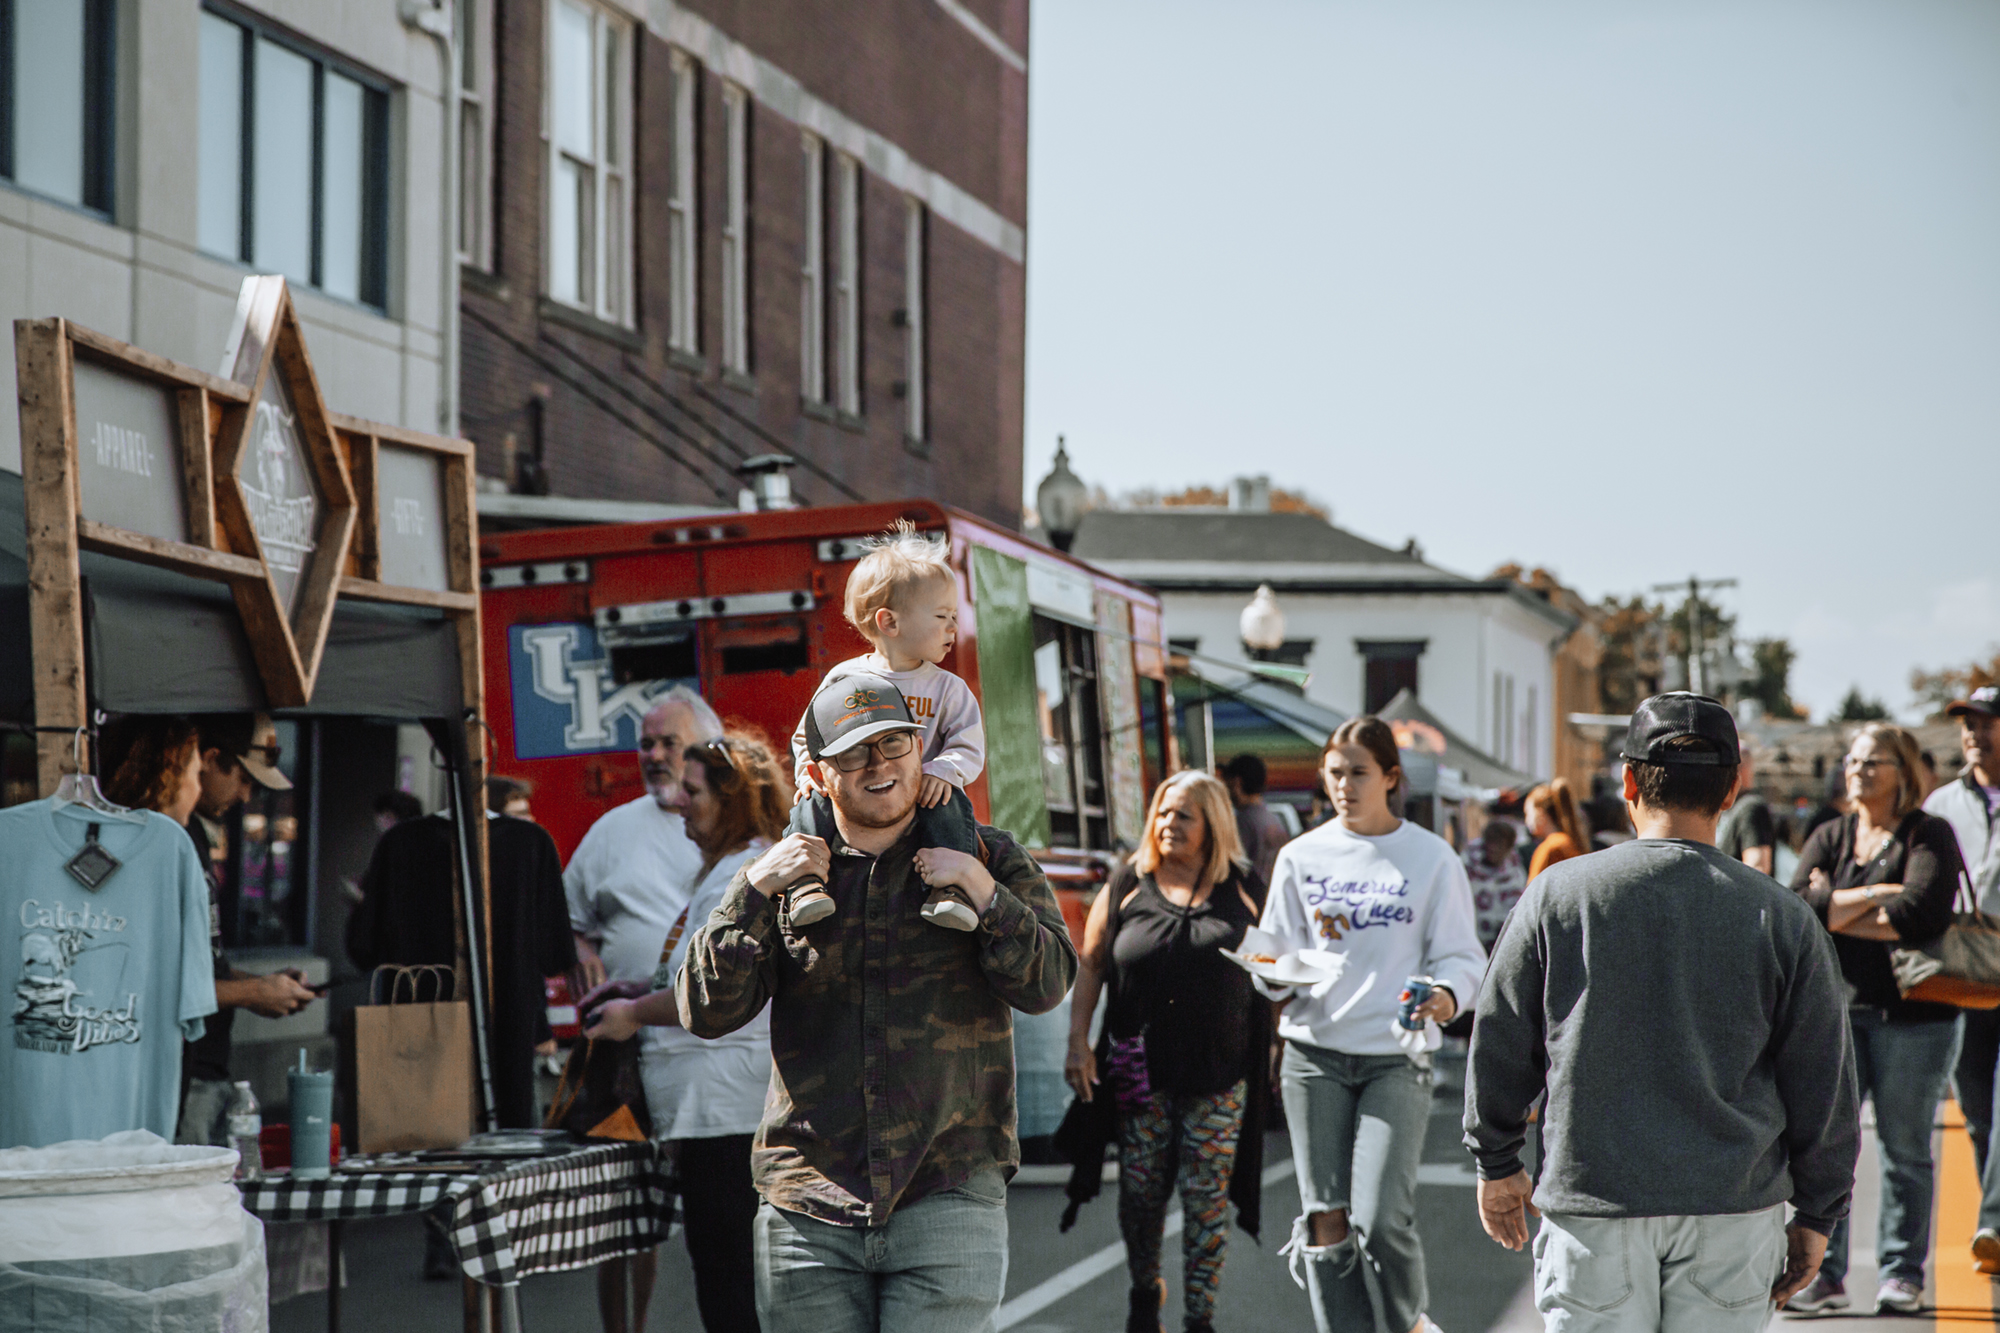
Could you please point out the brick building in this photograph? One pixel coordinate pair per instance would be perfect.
(697, 233)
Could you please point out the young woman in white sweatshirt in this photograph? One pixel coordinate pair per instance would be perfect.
(1393, 898)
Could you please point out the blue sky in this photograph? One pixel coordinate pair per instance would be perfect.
(1630, 290)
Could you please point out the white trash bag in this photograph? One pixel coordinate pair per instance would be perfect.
(125, 1233)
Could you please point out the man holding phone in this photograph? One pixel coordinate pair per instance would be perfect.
(239, 754)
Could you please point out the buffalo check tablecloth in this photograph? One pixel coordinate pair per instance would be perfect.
(541, 1215)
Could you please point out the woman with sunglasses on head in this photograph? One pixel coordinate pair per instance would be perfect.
(1394, 899)
(1882, 877)
(706, 1097)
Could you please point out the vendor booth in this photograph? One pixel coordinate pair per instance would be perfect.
(181, 542)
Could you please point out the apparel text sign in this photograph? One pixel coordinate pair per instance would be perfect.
(128, 452)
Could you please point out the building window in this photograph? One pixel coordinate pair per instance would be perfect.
(736, 230)
(474, 19)
(812, 275)
(1528, 745)
(915, 252)
(58, 96)
(1391, 669)
(588, 107)
(683, 236)
(293, 166)
(847, 284)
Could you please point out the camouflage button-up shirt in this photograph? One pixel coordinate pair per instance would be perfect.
(892, 1043)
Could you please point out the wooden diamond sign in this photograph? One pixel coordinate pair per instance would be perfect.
(283, 495)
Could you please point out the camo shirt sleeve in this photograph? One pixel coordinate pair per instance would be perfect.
(892, 1039)
(1026, 951)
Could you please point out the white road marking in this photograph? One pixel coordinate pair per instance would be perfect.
(1087, 1270)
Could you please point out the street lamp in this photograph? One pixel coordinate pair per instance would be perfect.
(1060, 500)
(1262, 624)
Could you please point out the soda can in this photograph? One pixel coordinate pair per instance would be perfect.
(1415, 991)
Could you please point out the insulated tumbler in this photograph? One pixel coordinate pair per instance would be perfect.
(312, 1122)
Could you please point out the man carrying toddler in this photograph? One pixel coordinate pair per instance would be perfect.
(903, 598)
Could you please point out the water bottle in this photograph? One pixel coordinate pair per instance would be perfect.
(246, 1131)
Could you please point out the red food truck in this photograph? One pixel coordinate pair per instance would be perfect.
(585, 626)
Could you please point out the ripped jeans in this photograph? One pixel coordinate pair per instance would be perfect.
(1358, 1125)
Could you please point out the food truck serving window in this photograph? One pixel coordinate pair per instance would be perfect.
(1073, 761)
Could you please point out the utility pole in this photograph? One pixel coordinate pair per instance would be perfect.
(1697, 669)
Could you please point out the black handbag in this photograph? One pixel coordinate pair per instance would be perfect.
(601, 1095)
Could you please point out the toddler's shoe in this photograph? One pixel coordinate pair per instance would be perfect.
(808, 902)
(947, 907)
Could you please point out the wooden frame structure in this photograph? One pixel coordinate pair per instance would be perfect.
(193, 504)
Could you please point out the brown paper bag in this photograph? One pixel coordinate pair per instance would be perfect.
(413, 1072)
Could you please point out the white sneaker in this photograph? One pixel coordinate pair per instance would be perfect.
(952, 913)
(1901, 1295)
(1986, 1251)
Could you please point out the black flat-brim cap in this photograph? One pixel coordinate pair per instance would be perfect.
(854, 710)
(1666, 716)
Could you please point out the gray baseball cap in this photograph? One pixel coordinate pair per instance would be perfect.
(854, 710)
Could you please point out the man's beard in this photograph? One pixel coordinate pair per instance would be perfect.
(861, 819)
(662, 786)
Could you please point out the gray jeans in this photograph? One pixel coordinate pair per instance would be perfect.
(1358, 1125)
(205, 1113)
(938, 1266)
(1671, 1274)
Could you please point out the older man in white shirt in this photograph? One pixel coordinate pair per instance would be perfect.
(627, 882)
(1971, 805)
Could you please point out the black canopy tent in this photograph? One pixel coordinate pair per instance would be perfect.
(182, 543)
(161, 642)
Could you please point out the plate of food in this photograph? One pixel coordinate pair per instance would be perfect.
(1264, 955)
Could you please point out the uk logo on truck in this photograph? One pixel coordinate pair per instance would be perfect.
(565, 699)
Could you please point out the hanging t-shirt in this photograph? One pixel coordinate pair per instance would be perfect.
(105, 983)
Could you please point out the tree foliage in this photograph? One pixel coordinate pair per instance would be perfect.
(1856, 707)
(1213, 497)
(1630, 667)
(1770, 684)
(1935, 689)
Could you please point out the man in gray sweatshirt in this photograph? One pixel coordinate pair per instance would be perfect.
(1684, 1015)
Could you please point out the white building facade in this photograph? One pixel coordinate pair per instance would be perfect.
(1366, 620)
(156, 153)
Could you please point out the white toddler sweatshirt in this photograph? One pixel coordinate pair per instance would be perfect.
(954, 736)
(1397, 905)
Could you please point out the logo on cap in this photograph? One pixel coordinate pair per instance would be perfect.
(862, 699)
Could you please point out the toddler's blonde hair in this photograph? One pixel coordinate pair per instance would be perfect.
(898, 563)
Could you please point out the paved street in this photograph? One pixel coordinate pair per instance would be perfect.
(1074, 1283)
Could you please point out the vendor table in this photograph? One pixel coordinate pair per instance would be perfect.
(538, 1215)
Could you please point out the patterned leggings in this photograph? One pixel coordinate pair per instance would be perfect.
(1189, 1141)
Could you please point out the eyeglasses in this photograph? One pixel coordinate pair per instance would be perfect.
(892, 746)
(1870, 765)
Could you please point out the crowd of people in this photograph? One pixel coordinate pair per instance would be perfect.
(817, 955)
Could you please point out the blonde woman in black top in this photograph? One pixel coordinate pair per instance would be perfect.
(1883, 876)
(1183, 1031)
